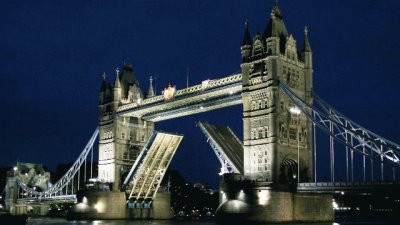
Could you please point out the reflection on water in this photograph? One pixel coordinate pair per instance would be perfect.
(59, 221)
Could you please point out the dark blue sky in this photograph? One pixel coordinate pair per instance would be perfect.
(52, 55)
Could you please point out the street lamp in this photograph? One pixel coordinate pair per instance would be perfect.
(297, 111)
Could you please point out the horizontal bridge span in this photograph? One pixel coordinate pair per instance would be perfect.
(210, 95)
(42, 199)
(353, 187)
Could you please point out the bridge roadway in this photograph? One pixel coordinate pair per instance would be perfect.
(57, 198)
(209, 95)
(148, 173)
(227, 147)
(352, 187)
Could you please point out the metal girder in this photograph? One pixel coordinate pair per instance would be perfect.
(68, 176)
(346, 131)
(210, 95)
(227, 147)
(146, 180)
(140, 159)
(191, 108)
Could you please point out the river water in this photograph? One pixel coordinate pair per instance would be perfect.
(58, 221)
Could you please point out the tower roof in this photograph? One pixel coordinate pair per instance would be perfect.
(275, 27)
(127, 75)
(306, 44)
(246, 37)
(127, 79)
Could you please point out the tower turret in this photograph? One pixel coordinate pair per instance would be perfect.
(103, 89)
(151, 90)
(308, 66)
(307, 52)
(275, 33)
(117, 89)
(246, 43)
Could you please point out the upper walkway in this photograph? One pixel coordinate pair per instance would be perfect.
(355, 187)
(209, 95)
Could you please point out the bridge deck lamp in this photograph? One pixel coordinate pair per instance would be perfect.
(296, 111)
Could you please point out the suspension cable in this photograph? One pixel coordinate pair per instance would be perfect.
(68, 176)
(363, 137)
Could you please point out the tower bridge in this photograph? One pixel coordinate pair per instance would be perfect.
(271, 175)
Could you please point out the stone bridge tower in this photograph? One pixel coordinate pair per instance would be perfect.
(276, 139)
(120, 138)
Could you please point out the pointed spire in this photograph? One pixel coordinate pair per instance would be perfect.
(151, 90)
(306, 46)
(117, 83)
(246, 37)
(103, 83)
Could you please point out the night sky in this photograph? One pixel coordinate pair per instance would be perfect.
(52, 55)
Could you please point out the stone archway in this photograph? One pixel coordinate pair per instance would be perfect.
(288, 171)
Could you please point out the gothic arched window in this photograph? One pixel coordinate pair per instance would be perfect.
(266, 132)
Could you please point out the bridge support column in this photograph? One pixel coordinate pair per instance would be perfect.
(11, 193)
(162, 206)
(99, 205)
(94, 204)
(263, 202)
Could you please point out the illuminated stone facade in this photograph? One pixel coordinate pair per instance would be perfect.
(275, 140)
(120, 138)
(272, 134)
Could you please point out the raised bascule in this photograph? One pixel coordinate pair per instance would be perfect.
(270, 176)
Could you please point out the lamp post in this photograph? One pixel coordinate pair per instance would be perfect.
(296, 111)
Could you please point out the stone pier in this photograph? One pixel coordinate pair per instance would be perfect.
(262, 202)
(113, 205)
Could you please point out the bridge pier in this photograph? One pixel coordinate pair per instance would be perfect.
(265, 202)
(113, 205)
(11, 193)
(30, 209)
